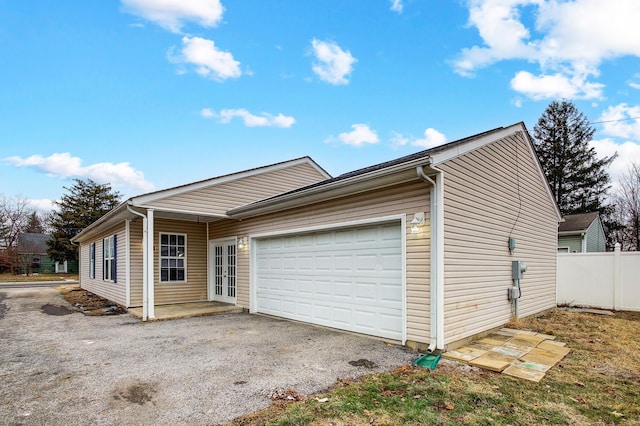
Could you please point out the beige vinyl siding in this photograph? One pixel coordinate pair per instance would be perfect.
(195, 288)
(481, 203)
(407, 198)
(218, 199)
(109, 290)
(574, 242)
(136, 258)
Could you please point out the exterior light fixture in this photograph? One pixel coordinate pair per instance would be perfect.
(417, 222)
(242, 243)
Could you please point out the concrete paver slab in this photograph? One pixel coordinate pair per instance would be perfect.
(464, 354)
(518, 353)
(524, 373)
(493, 361)
(542, 356)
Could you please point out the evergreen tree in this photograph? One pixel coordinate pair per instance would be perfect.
(578, 179)
(35, 224)
(84, 203)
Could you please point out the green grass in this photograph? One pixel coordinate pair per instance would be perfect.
(36, 277)
(597, 383)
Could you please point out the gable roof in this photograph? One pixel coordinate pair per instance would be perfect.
(30, 243)
(163, 193)
(577, 223)
(381, 174)
(122, 211)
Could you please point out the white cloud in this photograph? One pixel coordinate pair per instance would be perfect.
(430, 139)
(209, 61)
(628, 152)
(207, 113)
(398, 140)
(63, 165)
(396, 5)
(333, 65)
(360, 135)
(172, 14)
(250, 120)
(567, 40)
(555, 86)
(621, 121)
(43, 204)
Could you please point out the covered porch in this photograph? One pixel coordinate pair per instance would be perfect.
(188, 310)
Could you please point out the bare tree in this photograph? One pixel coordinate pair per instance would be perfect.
(628, 206)
(14, 216)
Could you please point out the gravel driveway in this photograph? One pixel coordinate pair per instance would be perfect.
(59, 367)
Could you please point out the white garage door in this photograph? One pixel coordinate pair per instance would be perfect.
(349, 279)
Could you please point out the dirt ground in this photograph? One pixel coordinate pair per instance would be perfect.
(88, 303)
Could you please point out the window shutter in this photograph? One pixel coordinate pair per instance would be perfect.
(104, 258)
(115, 258)
(92, 261)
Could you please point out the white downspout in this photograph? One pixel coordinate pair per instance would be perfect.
(145, 233)
(436, 224)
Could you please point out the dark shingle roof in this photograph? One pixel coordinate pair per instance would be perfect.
(33, 243)
(577, 222)
(407, 158)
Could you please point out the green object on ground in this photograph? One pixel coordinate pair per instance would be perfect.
(428, 361)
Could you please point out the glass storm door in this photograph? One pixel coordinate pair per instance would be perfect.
(223, 270)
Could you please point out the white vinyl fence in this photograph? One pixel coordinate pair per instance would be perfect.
(608, 280)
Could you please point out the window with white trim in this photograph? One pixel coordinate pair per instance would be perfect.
(173, 257)
(92, 260)
(109, 259)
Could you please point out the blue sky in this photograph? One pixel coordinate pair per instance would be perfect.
(149, 94)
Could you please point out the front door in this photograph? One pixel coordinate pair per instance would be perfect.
(222, 287)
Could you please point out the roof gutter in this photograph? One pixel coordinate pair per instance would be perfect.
(436, 225)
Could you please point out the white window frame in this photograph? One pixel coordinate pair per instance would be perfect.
(92, 260)
(178, 257)
(108, 259)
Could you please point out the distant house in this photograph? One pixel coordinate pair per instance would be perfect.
(419, 249)
(581, 233)
(33, 257)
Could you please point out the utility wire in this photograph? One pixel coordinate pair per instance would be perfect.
(613, 121)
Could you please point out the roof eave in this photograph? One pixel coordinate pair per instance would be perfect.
(109, 219)
(349, 186)
(570, 233)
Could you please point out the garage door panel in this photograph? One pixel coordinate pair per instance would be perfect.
(289, 285)
(349, 279)
(343, 289)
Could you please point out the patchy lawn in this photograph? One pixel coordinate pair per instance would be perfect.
(36, 277)
(598, 383)
(89, 303)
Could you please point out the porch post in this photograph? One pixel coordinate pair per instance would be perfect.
(150, 262)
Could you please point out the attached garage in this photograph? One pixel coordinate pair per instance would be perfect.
(350, 278)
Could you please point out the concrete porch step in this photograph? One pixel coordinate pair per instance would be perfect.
(188, 310)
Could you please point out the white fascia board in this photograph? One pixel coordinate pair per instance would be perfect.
(570, 233)
(464, 148)
(195, 214)
(338, 188)
(164, 193)
(111, 218)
